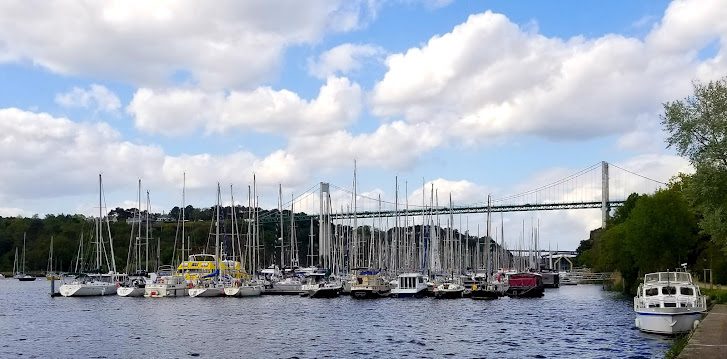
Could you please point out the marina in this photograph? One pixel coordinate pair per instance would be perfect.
(566, 322)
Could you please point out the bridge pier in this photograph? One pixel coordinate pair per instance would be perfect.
(605, 204)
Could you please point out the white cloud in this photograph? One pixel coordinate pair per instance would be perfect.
(488, 77)
(646, 137)
(343, 59)
(181, 111)
(391, 145)
(97, 96)
(46, 157)
(221, 44)
(13, 212)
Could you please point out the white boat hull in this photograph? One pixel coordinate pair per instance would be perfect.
(164, 290)
(130, 292)
(244, 291)
(667, 323)
(207, 292)
(87, 289)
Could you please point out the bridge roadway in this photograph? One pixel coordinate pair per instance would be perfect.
(454, 210)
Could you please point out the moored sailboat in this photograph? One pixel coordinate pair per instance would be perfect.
(96, 283)
(210, 285)
(21, 276)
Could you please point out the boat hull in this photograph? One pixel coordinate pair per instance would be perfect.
(26, 279)
(409, 294)
(525, 292)
(130, 291)
(446, 294)
(207, 292)
(368, 294)
(666, 323)
(325, 292)
(284, 289)
(160, 291)
(244, 291)
(484, 294)
(87, 290)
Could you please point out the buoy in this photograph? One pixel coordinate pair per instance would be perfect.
(696, 324)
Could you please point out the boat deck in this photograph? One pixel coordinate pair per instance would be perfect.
(710, 338)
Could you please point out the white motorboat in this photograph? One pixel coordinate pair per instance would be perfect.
(449, 290)
(567, 278)
(410, 285)
(286, 286)
(166, 284)
(370, 285)
(668, 303)
(89, 285)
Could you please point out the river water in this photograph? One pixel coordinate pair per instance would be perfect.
(569, 322)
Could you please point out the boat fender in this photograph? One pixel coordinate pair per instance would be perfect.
(637, 323)
(696, 324)
(118, 284)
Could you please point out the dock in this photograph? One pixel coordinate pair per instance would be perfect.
(710, 338)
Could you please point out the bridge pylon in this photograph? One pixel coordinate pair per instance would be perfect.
(605, 204)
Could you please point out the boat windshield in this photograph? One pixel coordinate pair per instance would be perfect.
(681, 277)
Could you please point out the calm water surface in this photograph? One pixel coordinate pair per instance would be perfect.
(569, 322)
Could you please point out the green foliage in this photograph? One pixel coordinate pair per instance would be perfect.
(66, 231)
(697, 127)
(648, 234)
(716, 295)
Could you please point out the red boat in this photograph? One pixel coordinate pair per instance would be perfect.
(525, 285)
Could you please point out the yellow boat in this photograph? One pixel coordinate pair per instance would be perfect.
(201, 265)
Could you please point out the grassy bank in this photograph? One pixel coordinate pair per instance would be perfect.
(717, 295)
(677, 346)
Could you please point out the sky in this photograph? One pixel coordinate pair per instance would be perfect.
(476, 97)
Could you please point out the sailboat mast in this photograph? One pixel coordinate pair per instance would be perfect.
(146, 264)
(184, 185)
(487, 239)
(23, 263)
(217, 232)
(282, 238)
(98, 227)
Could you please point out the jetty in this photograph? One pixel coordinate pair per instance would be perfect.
(709, 340)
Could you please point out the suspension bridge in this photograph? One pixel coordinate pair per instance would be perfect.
(601, 185)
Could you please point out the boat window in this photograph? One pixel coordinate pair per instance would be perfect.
(652, 291)
(653, 305)
(670, 305)
(669, 290)
(686, 291)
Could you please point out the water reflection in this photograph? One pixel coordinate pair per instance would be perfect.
(575, 321)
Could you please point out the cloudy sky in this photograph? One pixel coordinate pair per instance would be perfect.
(477, 97)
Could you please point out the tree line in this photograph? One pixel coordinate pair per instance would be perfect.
(686, 222)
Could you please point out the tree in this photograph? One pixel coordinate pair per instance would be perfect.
(697, 127)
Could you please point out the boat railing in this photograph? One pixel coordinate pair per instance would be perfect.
(700, 302)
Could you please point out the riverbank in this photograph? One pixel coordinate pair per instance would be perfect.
(709, 340)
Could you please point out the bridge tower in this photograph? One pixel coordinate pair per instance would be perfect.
(605, 205)
(324, 226)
